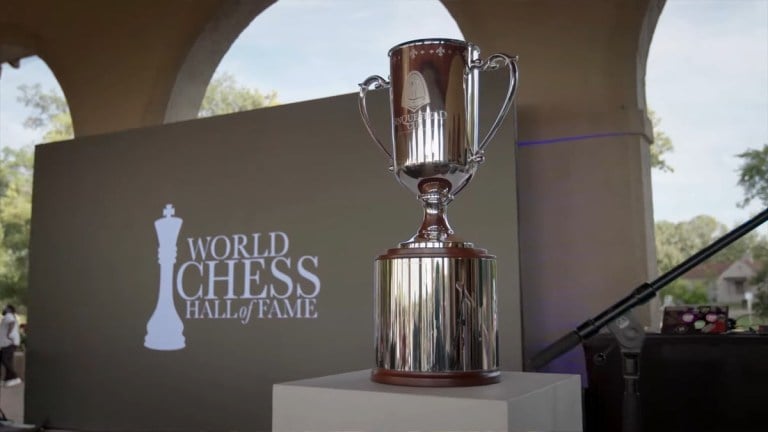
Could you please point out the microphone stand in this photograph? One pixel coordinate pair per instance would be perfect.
(630, 335)
(625, 329)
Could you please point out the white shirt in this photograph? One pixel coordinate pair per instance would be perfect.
(9, 322)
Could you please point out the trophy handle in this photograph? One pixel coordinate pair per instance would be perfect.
(378, 83)
(494, 62)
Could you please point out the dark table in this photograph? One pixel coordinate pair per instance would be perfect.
(696, 383)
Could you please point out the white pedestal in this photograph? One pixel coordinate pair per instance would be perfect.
(351, 402)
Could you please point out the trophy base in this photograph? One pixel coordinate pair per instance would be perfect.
(435, 317)
(435, 379)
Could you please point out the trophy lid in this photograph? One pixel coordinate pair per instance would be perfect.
(429, 41)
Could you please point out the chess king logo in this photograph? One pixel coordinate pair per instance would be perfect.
(259, 280)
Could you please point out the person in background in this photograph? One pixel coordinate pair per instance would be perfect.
(9, 341)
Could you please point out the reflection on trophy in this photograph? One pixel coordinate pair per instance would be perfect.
(435, 295)
(165, 331)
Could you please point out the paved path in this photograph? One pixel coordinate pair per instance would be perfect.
(12, 402)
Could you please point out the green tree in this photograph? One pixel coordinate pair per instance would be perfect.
(225, 95)
(668, 251)
(684, 292)
(753, 175)
(50, 115)
(760, 307)
(760, 256)
(753, 179)
(676, 242)
(50, 112)
(662, 145)
(15, 211)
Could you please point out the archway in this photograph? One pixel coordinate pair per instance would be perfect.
(268, 53)
(33, 107)
(707, 82)
(32, 110)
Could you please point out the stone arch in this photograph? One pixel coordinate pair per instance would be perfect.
(650, 19)
(18, 43)
(205, 54)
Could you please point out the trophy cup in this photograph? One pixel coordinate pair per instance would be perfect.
(435, 295)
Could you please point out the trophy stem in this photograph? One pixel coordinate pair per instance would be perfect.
(435, 196)
(435, 226)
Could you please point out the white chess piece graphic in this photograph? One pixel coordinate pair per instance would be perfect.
(165, 329)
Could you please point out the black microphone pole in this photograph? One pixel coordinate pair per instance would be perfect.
(638, 296)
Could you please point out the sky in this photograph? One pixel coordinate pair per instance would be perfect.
(706, 79)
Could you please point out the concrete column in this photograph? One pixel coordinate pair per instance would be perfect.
(585, 210)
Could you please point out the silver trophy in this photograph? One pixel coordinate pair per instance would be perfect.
(435, 295)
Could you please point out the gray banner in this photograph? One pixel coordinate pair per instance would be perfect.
(282, 212)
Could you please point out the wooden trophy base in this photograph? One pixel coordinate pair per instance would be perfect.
(435, 379)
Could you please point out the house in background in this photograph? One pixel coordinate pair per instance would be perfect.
(726, 282)
(736, 281)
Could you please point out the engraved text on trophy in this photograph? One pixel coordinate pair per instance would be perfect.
(415, 97)
(415, 93)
